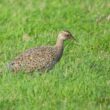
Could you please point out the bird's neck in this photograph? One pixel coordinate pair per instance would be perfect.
(59, 43)
(59, 48)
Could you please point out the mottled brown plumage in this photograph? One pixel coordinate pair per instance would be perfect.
(40, 58)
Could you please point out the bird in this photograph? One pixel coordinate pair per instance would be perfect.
(42, 58)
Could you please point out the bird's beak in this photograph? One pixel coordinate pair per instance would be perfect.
(72, 38)
(75, 40)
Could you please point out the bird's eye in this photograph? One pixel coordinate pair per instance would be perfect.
(67, 35)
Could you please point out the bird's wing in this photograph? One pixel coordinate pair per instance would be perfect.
(36, 58)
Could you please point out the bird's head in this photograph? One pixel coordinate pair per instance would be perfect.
(65, 35)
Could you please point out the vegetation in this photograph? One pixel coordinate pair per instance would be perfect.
(81, 80)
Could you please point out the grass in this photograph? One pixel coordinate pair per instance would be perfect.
(81, 80)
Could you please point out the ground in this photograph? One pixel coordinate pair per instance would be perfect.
(81, 80)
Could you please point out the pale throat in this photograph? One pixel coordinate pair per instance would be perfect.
(59, 49)
(59, 43)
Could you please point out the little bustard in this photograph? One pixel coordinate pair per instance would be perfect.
(40, 58)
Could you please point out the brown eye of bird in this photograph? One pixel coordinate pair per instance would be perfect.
(67, 35)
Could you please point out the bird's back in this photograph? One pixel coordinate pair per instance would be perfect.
(40, 58)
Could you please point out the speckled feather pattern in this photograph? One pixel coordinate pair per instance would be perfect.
(39, 58)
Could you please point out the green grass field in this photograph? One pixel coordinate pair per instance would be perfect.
(81, 80)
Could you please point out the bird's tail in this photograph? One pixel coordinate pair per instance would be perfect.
(4, 69)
